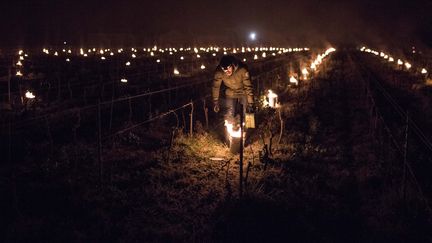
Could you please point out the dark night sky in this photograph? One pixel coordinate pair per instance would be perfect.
(276, 22)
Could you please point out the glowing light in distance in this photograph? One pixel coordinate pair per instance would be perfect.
(407, 65)
(29, 95)
(305, 72)
(293, 80)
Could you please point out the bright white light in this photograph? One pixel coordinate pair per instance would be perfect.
(424, 71)
(293, 80)
(202, 66)
(29, 95)
(230, 130)
(272, 97)
(313, 66)
(123, 80)
(176, 72)
(252, 36)
(305, 73)
(128, 63)
(158, 60)
(407, 65)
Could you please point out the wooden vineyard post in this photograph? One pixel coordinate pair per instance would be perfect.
(191, 119)
(405, 158)
(99, 124)
(51, 143)
(241, 152)
(130, 109)
(100, 144)
(281, 125)
(112, 107)
(9, 85)
(206, 113)
(10, 140)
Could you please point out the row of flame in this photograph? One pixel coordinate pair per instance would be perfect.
(155, 49)
(390, 59)
(271, 97)
(22, 56)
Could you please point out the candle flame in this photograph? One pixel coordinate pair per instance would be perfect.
(230, 130)
(29, 95)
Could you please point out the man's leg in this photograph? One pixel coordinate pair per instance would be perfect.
(230, 109)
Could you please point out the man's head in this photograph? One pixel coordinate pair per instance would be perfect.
(227, 64)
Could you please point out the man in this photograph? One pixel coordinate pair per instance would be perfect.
(235, 76)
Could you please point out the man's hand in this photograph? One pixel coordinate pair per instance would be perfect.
(216, 107)
(250, 108)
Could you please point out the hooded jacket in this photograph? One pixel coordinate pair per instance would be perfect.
(238, 84)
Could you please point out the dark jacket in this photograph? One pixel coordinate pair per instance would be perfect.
(238, 84)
